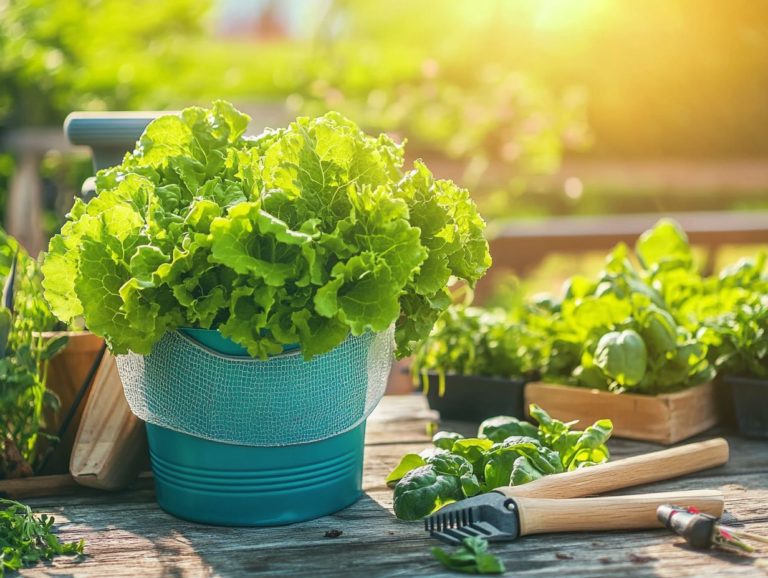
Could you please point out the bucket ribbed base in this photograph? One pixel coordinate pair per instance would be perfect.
(234, 485)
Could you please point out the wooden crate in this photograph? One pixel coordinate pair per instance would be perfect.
(666, 419)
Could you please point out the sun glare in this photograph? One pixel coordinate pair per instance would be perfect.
(550, 14)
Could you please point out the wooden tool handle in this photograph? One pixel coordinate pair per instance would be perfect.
(625, 473)
(541, 515)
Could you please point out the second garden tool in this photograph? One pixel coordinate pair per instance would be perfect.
(702, 530)
(496, 517)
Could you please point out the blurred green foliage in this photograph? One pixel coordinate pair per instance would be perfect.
(501, 89)
(24, 355)
(492, 116)
(62, 55)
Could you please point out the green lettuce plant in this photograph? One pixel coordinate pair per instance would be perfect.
(299, 235)
(732, 311)
(26, 538)
(483, 341)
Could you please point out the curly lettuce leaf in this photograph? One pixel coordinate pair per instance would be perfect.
(299, 235)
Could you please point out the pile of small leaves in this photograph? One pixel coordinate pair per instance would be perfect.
(26, 539)
(471, 558)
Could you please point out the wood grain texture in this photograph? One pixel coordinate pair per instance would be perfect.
(127, 535)
(666, 419)
(37, 486)
(66, 373)
(543, 515)
(628, 472)
(111, 445)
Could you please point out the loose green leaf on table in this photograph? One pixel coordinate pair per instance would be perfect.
(499, 428)
(473, 450)
(472, 557)
(445, 440)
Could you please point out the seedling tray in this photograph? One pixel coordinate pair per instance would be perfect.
(750, 401)
(475, 398)
(665, 419)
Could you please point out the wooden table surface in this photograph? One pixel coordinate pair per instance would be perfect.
(127, 534)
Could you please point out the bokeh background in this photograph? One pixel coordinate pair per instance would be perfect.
(558, 115)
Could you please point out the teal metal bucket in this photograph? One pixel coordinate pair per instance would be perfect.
(228, 484)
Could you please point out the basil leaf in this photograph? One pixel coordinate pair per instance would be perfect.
(622, 356)
(407, 463)
(472, 557)
(424, 490)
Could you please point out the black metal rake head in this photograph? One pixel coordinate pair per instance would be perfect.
(492, 516)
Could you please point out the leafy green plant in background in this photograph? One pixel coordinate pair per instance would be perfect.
(493, 116)
(300, 235)
(26, 539)
(63, 55)
(740, 340)
(649, 322)
(24, 355)
(684, 326)
(731, 310)
(477, 341)
(57, 56)
(506, 452)
(618, 332)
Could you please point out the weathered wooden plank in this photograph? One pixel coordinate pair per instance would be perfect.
(394, 408)
(111, 445)
(144, 541)
(19, 488)
(128, 535)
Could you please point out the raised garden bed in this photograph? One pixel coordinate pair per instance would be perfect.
(665, 419)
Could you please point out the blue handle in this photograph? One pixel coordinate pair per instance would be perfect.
(109, 134)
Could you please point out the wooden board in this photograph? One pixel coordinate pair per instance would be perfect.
(127, 535)
(37, 486)
(665, 419)
(66, 373)
(111, 445)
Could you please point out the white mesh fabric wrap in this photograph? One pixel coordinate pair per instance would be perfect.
(283, 400)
